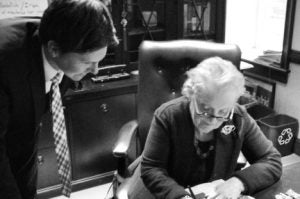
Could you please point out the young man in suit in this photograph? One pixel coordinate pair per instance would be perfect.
(71, 39)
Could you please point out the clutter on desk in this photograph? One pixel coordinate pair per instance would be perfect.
(289, 194)
(207, 190)
(270, 57)
(246, 197)
(111, 73)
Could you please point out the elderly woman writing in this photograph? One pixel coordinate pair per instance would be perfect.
(197, 138)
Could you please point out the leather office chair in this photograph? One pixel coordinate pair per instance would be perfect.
(162, 67)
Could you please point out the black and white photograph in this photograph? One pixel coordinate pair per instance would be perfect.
(149, 99)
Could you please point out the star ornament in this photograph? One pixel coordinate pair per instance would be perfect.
(227, 129)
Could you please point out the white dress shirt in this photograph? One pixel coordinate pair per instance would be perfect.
(49, 71)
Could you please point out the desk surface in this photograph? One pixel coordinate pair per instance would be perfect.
(290, 179)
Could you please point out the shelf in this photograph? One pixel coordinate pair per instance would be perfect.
(266, 71)
(199, 35)
(157, 2)
(171, 24)
(197, 2)
(143, 30)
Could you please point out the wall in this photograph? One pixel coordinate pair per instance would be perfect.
(287, 97)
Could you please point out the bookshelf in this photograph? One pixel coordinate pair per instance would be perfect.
(201, 19)
(160, 20)
(135, 21)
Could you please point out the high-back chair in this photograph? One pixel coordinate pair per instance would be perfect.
(162, 68)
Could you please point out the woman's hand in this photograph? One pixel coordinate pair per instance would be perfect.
(229, 189)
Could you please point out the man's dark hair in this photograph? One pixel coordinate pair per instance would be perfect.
(78, 25)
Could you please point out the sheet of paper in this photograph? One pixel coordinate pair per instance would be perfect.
(206, 188)
(209, 189)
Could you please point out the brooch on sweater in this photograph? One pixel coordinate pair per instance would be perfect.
(227, 129)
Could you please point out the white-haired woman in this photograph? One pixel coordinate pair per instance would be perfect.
(197, 138)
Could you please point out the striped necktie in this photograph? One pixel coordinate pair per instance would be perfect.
(60, 136)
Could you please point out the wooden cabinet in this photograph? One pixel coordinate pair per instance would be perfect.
(47, 168)
(94, 124)
(48, 179)
(135, 21)
(94, 115)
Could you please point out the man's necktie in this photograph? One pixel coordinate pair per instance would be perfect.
(60, 137)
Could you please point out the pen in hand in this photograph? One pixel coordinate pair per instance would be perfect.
(191, 192)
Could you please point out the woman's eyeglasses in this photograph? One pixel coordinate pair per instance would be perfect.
(210, 116)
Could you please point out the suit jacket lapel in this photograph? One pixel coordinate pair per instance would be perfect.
(37, 79)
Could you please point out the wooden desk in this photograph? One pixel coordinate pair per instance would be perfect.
(290, 179)
(94, 114)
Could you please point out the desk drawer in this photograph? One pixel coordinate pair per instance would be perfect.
(93, 127)
(47, 168)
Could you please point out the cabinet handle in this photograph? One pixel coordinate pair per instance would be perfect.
(104, 108)
(40, 159)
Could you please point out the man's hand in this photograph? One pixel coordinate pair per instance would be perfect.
(230, 189)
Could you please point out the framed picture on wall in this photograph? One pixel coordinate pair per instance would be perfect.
(263, 91)
(22, 8)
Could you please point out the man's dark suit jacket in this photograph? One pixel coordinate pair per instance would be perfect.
(22, 103)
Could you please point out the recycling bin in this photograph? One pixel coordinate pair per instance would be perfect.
(282, 130)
